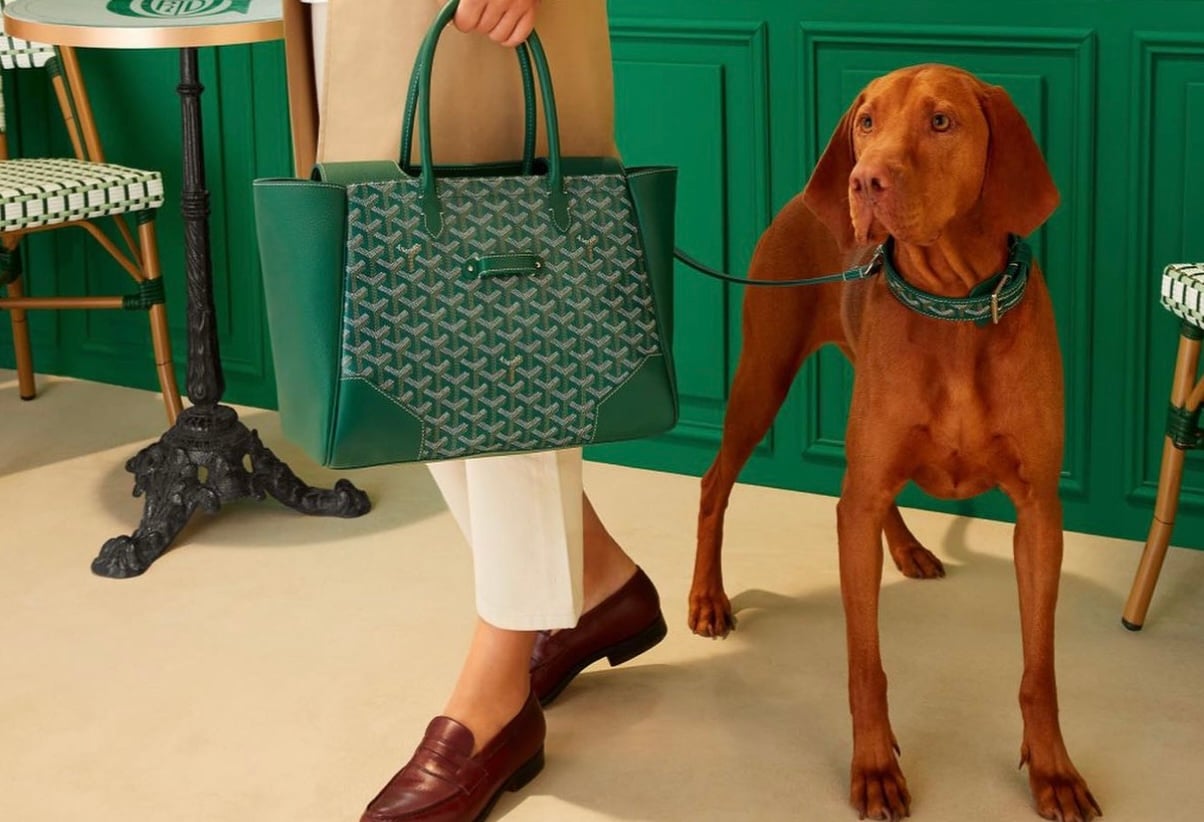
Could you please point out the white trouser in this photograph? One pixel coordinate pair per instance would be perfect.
(522, 516)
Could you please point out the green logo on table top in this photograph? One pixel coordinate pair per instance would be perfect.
(177, 8)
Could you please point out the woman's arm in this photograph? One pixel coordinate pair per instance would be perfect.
(508, 22)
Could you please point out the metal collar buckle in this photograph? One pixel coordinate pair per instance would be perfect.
(876, 262)
(1003, 281)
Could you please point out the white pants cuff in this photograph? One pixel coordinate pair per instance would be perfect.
(521, 515)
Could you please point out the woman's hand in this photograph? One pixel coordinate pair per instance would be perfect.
(508, 22)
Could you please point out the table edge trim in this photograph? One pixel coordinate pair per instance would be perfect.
(219, 34)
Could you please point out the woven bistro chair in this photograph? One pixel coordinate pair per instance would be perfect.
(51, 193)
(1182, 295)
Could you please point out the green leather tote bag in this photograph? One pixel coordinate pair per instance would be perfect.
(429, 313)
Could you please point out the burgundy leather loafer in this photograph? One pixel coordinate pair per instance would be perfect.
(621, 627)
(444, 782)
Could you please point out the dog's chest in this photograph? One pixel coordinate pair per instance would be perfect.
(956, 443)
(954, 473)
(957, 408)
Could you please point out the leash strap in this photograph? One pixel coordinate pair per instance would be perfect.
(859, 273)
(985, 304)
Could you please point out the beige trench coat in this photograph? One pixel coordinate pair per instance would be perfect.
(366, 85)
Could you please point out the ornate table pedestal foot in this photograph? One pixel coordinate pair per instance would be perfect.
(209, 458)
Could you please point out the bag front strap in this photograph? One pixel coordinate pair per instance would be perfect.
(504, 265)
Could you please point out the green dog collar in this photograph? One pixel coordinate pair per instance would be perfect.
(986, 303)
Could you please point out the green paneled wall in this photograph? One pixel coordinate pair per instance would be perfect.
(742, 97)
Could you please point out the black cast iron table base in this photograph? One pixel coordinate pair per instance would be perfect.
(207, 459)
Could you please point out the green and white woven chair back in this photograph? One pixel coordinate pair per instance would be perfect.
(16, 53)
(1183, 292)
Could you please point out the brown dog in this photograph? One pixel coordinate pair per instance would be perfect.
(946, 167)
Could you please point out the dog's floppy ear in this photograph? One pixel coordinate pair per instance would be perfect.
(827, 192)
(1018, 193)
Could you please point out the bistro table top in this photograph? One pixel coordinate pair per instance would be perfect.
(144, 23)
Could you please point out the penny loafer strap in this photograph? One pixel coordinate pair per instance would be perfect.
(464, 773)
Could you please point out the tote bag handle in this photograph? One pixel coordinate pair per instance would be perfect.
(432, 210)
(407, 127)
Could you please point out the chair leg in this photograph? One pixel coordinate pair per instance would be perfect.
(23, 352)
(163, 363)
(1161, 526)
(160, 336)
(1170, 478)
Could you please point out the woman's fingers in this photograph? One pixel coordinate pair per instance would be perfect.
(513, 28)
(508, 22)
(492, 15)
(468, 15)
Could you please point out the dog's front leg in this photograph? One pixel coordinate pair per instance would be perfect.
(878, 789)
(1060, 792)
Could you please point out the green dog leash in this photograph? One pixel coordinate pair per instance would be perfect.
(986, 303)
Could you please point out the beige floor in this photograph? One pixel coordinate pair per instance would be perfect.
(277, 668)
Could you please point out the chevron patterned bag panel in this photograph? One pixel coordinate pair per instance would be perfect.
(501, 363)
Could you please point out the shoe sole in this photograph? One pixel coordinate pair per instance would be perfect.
(616, 654)
(517, 781)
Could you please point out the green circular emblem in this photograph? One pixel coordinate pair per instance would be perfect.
(177, 8)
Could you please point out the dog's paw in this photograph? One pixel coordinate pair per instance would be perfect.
(880, 791)
(916, 562)
(711, 614)
(1059, 791)
(1064, 797)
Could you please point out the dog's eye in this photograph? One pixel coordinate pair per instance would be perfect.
(866, 122)
(941, 122)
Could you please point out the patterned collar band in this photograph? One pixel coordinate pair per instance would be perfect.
(986, 303)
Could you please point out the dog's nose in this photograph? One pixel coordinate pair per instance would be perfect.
(869, 180)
